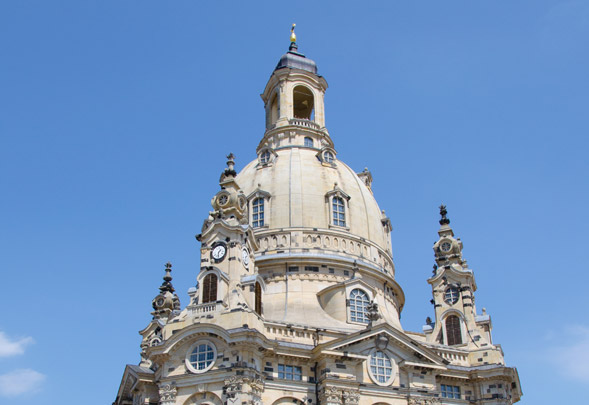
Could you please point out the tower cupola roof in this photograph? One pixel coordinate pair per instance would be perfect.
(293, 59)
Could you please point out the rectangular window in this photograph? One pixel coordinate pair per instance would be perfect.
(287, 372)
(312, 268)
(258, 213)
(450, 391)
(339, 213)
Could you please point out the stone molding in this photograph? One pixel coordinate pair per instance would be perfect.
(423, 401)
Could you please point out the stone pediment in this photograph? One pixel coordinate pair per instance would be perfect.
(132, 377)
(153, 325)
(358, 344)
(221, 230)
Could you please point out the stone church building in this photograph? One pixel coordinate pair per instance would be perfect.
(296, 300)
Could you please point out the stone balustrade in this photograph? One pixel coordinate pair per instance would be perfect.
(304, 123)
(454, 357)
(326, 241)
(204, 309)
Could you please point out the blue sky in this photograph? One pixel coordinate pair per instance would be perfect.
(116, 116)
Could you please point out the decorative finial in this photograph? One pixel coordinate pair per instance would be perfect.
(230, 171)
(167, 285)
(230, 161)
(293, 39)
(443, 213)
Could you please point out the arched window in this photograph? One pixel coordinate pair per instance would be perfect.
(339, 211)
(453, 330)
(308, 142)
(358, 303)
(209, 289)
(258, 292)
(258, 213)
(303, 103)
(381, 367)
(274, 112)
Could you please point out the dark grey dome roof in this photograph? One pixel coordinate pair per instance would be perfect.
(294, 60)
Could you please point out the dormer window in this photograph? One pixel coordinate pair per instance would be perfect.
(308, 142)
(259, 206)
(303, 103)
(339, 211)
(337, 201)
(328, 157)
(258, 212)
(265, 157)
(358, 306)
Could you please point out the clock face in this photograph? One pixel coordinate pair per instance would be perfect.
(245, 257)
(159, 302)
(219, 252)
(446, 246)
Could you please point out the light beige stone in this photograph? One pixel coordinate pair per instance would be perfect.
(304, 308)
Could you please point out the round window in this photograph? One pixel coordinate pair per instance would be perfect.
(446, 246)
(382, 369)
(201, 356)
(328, 157)
(222, 199)
(451, 295)
(265, 157)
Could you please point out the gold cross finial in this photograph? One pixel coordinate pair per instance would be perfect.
(293, 36)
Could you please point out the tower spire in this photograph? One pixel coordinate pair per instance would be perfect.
(166, 304)
(167, 284)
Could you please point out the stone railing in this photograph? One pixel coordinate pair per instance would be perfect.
(204, 309)
(283, 332)
(329, 242)
(454, 357)
(300, 122)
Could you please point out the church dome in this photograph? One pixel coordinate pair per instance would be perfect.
(320, 236)
(300, 187)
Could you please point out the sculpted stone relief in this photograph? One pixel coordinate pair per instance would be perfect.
(168, 393)
(424, 401)
(337, 396)
(204, 398)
